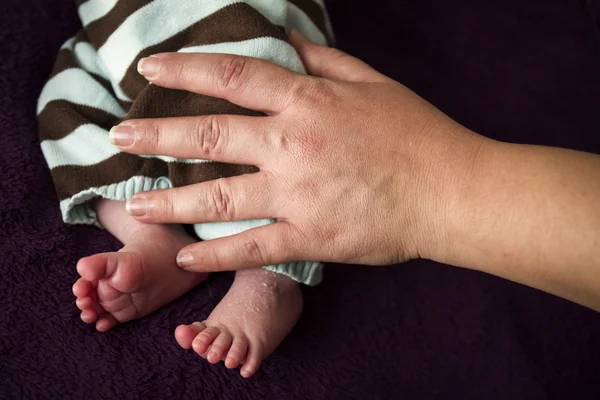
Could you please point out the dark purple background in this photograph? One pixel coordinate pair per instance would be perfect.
(522, 71)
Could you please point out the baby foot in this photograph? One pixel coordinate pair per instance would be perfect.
(254, 317)
(140, 278)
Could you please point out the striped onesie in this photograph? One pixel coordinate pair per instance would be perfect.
(95, 85)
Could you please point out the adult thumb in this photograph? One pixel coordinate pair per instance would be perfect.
(330, 63)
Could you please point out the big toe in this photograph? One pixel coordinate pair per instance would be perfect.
(98, 266)
(123, 270)
(185, 334)
(129, 272)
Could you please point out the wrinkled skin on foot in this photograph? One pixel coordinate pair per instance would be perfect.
(254, 317)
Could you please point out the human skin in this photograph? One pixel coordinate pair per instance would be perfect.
(359, 169)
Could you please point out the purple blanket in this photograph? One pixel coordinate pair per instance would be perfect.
(521, 71)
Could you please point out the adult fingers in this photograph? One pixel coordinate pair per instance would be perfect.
(248, 82)
(330, 63)
(254, 248)
(226, 138)
(238, 198)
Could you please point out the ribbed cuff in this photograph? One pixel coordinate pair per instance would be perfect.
(307, 272)
(77, 209)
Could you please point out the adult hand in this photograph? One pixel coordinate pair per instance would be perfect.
(356, 167)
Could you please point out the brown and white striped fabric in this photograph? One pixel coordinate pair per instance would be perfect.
(95, 85)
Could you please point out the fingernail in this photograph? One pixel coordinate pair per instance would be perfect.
(137, 207)
(122, 136)
(295, 35)
(185, 259)
(149, 67)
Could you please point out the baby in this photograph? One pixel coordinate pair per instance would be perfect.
(93, 87)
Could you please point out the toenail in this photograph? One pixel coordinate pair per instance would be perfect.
(196, 346)
(229, 361)
(137, 206)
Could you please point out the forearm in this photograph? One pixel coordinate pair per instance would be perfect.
(530, 214)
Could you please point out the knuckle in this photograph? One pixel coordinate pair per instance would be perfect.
(166, 207)
(280, 141)
(298, 91)
(207, 135)
(214, 259)
(327, 92)
(178, 70)
(310, 189)
(333, 54)
(304, 144)
(311, 143)
(231, 72)
(153, 136)
(255, 252)
(147, 135)
(220, 202)
(308, 144)
(314, 93)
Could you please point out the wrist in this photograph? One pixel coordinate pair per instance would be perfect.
(455, 157)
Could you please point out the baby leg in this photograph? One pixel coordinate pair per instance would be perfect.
(138, 279)
(94, 86)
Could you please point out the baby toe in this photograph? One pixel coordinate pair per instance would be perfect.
(252, 363)
(89, 316)
(83, 303)
(220, 345)
(82, 288)
(204, 339)
(105, 323)
(237, 352)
